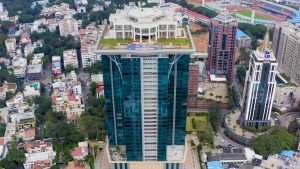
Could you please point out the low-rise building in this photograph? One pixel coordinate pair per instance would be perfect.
(70, 58)
(25, 38)
(34, 72)
(11, 45)
(7, 87)
(32, 90)
(232, 156)
(56, 66)
(9, 131)
(243, 40)
(19, 67)
(80, 152)
(15, 102)
(73, 83)
(52, 25)
(99, 92)
(4, 114)
(67, 96)
(39, 154)
(28, 49)
(68, 26)
(3, 148)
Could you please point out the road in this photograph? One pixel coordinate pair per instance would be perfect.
(285, 119)
(85, 78)
(47, 79)
(237, 85)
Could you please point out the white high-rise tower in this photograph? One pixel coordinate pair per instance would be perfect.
(260, 87)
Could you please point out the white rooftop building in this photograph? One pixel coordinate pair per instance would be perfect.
(134, 22)
(19, 67)
(70, 58)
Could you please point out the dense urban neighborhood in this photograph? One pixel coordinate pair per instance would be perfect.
(149, 84)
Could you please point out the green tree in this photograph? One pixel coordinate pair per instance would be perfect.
(88, 122)
(70, 68)
(93, 87)
(2, 129)
(241, 74)
(215, 116)
(273, 142)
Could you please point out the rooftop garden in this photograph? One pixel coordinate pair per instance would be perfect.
(175, 42)
(115, 42)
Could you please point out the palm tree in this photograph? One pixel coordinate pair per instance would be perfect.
(211, 95)
(243, 131)
(234, 127)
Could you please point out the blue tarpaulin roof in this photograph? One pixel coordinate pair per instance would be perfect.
(214, 165)
(297, 18)
(287, 153)
(240, 33)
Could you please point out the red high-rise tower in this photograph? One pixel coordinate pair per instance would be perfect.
(222, 45)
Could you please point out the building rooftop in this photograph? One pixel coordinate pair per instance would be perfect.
(140, 30)
(224, 17)
(240, 34)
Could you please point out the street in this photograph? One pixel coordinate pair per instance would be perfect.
(285, 119)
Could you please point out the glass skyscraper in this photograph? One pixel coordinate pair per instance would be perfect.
(146, 86)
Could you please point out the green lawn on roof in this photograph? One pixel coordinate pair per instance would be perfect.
(249, 14)
(174, 42)
(115, 42)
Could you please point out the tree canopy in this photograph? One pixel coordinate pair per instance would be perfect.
(276, 140)
(255, 32)
(215, 116)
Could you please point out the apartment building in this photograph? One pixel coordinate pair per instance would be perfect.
(7, 87)
(222, 45)
(19, 67)
(11, 45)
(39, 154)
(67, 96)
(56, 66)
(70, 58)
(286, 47)
(68, 26)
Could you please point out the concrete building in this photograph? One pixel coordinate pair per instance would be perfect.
(243, 40)
(232, 156)
(286, 46)
(56, 66)
(260, 85)
(19, 67)
(146, 86)
(39, 154)
(193, 79)
(15, 102)
(11, 45)
(68, 26)
(32, 90)
(88, 57)
(34, 72)
(70, 58)
(3, 148)
(80, 152)
(222, 46)
(7, 87)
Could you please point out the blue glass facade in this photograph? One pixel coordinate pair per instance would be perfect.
(122, 83)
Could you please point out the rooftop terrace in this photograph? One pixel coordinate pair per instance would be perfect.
(160, 31)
